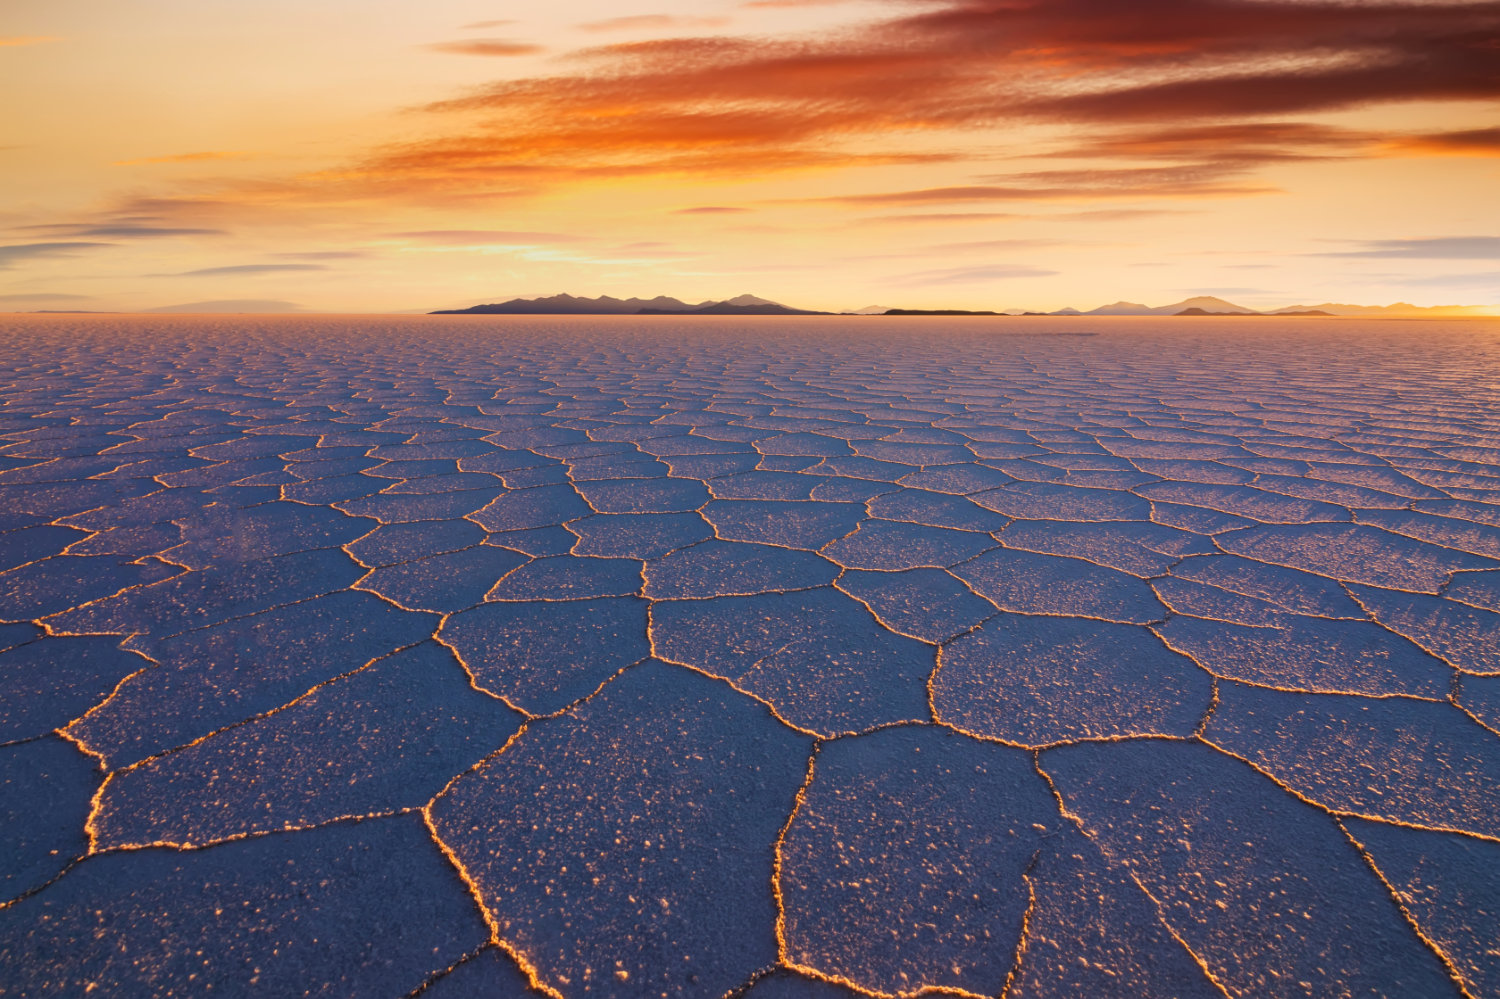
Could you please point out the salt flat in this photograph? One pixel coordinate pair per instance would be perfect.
(473, 656)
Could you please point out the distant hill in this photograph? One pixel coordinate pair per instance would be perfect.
(558, 305)
(1395, 311)
(751, 305)
(721, 309)
(606, 305)
(1206, 304)
(935, 312)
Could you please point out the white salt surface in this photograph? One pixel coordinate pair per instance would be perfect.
(479, 656)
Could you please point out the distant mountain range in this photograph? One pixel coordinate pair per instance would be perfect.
(1208, 305)
(750, 305)
(605, 305)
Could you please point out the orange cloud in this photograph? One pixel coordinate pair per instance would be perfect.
(1208, 91)
(15, 41)
(485, 237)
(487, 47)
(1206, 68)
(1472, 142)
(653, 22)
(939, 218)
(1243, 142)
(203, 157)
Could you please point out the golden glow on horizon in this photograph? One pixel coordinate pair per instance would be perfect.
(978, 155)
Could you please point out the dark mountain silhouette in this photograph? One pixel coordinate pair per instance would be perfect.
(935, 312)
(750, 305)
(606, 305)
(555, 305)
(730, 308)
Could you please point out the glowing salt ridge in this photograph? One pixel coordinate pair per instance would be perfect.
(757, 657)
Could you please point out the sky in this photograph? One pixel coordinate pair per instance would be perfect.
(391, 156)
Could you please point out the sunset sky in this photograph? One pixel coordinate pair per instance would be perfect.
(389, 155)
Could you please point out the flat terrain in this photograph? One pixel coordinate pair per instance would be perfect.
(473, 656)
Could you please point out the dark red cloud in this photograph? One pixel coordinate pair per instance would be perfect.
(1470, 142)
(1187, 98)
(1194, 80)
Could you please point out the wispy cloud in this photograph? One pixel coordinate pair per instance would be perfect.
(780, 4)
(971, 275)
(1193, 180)
(991, 245)
(122, 230)
(1469, 142)
(243, 270)
(39, 298)
(712, 210)
(653, 22)
(486, 237)
(200, 157)
(939, 218)
(16, 41)
(1246, 143)
(1487, 281)
(10, 256)
(1442, 248)
(1119, 214)
(1210, 70)
(1204, 94)
(487, 47)
(233, 305)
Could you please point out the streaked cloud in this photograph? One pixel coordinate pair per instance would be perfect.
(939, 218)
(242, 270)
(1484, 282)
(123, 230)
(1250, 142)
(786, 4)
(653, 22)
(971, 275)
(1203, 75)
(1468, 142)
(486, 237)
(712, 210)
(1192, 181)
(1441, 248)
(991, 245)
(45, 297)
(233, 305)
(10, 256)
(487, 47)
(1120, 214)
(18, 41)
(208, 156)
